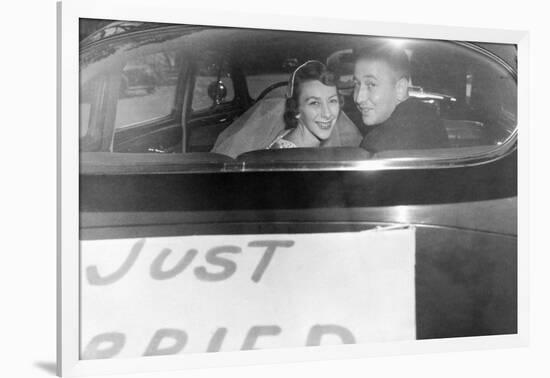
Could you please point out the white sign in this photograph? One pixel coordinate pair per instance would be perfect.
(195, 294)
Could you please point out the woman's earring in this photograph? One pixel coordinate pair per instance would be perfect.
(297, 116)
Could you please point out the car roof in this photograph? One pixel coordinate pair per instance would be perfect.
(305, 45)
(117, 28)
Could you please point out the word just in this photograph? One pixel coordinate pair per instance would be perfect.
(224, 267)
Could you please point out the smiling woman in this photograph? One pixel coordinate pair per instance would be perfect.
(312, 107)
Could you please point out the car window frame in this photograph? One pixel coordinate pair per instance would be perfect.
(187, 114)
(106, 124)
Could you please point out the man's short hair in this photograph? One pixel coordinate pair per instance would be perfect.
(395, 57)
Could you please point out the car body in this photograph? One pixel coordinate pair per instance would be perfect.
(147, 169)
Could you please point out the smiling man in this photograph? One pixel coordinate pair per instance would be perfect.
(394, 121)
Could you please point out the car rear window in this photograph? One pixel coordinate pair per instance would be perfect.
(154, 91)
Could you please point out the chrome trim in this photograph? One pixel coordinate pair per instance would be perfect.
(476, 216)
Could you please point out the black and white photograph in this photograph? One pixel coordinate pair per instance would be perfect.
(249, 191)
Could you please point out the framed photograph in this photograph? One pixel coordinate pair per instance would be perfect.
(255, 189)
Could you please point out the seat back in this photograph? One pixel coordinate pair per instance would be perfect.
(464, 133)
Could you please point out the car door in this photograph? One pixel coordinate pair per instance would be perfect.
(148, 110)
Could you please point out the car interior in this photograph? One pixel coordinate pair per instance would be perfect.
(213, 92)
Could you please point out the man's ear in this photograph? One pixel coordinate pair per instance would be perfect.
(402, 89)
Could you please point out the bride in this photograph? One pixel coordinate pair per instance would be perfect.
(310, 116)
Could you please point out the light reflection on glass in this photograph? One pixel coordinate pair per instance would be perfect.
(401, 214)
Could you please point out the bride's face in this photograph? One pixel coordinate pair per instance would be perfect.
(318, 107)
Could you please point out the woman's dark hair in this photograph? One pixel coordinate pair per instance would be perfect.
(309, 71)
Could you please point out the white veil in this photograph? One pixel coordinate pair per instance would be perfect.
(261, 124)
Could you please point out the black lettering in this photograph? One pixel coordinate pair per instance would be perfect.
(256, 332)
(317, 332)
(270, 246)
(105, 345)
(216, 341)
(212, 257)
(158, 273)
(179, 337)
(95, 279)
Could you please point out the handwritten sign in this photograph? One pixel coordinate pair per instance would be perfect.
(196, 294)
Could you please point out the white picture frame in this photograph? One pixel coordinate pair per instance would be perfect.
(69, 13)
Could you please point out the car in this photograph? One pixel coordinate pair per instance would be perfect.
(147, 166)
